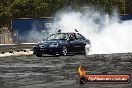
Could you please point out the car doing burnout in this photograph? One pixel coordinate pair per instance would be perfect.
(62, 44)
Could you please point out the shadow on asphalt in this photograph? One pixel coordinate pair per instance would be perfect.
(61, 55)
(57, 55)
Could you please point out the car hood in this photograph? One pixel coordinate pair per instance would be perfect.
(48, 42)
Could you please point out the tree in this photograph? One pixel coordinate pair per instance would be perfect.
(10, 9)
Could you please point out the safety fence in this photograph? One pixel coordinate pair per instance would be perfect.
(5, 38)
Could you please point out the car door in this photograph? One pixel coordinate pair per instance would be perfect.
(73, 46)
(81, 42)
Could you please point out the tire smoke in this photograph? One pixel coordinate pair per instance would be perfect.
(107, 33)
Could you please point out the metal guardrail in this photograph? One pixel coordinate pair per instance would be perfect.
(15, 47)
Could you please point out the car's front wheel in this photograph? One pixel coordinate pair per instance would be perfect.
(64, 51)
(39, 55)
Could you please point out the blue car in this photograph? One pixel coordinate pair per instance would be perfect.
(62, 44)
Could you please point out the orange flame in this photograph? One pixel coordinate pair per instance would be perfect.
(81, 71)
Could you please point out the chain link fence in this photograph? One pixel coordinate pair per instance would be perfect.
(5, 38)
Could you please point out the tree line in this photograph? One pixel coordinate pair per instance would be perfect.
(10, 9)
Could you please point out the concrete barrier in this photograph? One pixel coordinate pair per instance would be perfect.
(16, 49)
(16, 53)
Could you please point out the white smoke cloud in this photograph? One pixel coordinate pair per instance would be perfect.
(37, 35)
(107, 33)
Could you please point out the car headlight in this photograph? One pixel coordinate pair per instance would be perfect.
(53, 45)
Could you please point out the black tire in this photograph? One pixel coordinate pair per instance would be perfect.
(83, 52)
(64, 51)
(39, 55)
(82, 80)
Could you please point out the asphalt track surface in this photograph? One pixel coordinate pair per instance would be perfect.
(60, 71)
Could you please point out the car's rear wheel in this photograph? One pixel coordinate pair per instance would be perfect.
(64, 51)
(83, 52)
(39, 55)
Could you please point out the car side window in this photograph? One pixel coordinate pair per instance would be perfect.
(80, 37)
(72, 36)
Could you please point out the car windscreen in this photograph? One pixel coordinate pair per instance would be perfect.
(57, 37)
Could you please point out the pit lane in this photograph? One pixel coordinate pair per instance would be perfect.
(60, 71)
